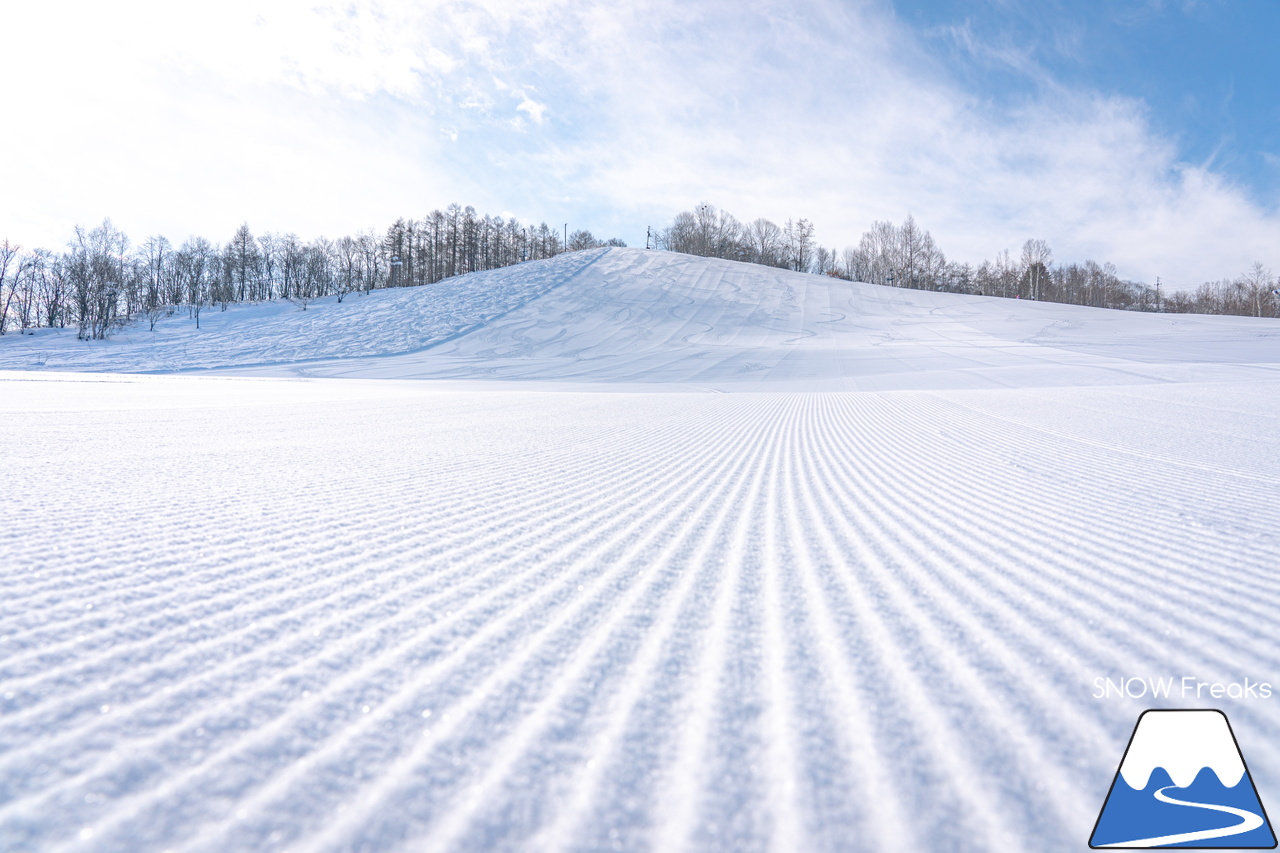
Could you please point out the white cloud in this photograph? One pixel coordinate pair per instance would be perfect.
(322, 116)
(532, 107)
(840, 116)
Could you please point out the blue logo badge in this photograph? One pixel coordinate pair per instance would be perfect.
(1182, 783)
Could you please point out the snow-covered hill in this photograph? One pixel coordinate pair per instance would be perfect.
(638, 317)
(383, 322)
(862, 601)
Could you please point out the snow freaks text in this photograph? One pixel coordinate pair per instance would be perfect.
(1185, 687)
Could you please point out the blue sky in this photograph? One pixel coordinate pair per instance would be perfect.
(1141, 133)
(1208, 72)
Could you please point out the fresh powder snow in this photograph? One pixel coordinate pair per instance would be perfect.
(625, 550)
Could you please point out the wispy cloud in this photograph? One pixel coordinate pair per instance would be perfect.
(345, 115)
(532, 108)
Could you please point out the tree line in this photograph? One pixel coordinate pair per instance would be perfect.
(906, 255)
(102, 281)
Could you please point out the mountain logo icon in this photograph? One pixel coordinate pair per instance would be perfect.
(1183, 783)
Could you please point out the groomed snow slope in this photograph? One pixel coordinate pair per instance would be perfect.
(633, 317)
(308, 614)
(637, 317)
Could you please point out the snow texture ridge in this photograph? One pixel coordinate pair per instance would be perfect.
(858, 602)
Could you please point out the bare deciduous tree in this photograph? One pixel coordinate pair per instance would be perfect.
(1036, 257)
(195, 264)
(9, 260)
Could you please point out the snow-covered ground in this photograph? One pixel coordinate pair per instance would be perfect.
(634, 318)
(570, 600)
(382, 322)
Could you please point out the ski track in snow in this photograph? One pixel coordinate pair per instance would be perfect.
(259, 614)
